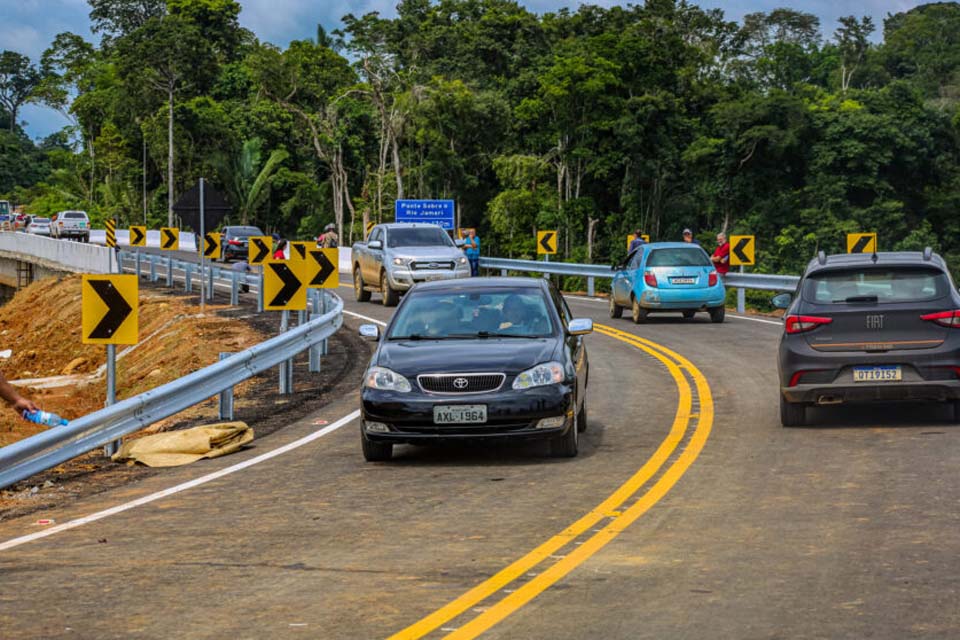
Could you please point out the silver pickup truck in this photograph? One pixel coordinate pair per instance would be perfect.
(397, 256)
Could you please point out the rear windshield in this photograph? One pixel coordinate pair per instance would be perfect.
(678, 258)
(884, 285)
(439, 315)
(40, 221)
(75, 215)
(244, 231)
(419, 237)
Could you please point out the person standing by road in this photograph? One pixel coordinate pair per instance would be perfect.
(279, 254)
(329, 239)
(721, 256)
(471, 247)
(637, 241)
(14, 399)
(688, 237)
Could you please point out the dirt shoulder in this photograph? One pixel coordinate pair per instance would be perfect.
(41, 325)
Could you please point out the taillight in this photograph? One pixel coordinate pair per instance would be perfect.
(797, 375)
(944, 318)
(712, 280)
(235, 243)
(650, 278)
(799, 324)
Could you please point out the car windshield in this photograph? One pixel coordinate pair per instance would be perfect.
(881, 285)
(679, 257)
(418, 237)
(244, 232)
(484, 313)
(73, 215)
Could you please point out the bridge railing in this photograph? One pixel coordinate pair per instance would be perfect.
(45, 450)
(734, 280)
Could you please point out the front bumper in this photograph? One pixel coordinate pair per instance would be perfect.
(402, 279)
(683, 299)
(827, 378)
(510, 414)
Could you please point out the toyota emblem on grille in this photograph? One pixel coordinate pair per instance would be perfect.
(460, 383)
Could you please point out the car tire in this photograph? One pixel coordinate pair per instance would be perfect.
(956, 410)
(638, 313)
(689, 314)
(792, 414)
(568, 444)
(361, 294)
(375, 451)
(616, 311)
(717, 314)
(86, 238)
(390, 296)
(582, 418)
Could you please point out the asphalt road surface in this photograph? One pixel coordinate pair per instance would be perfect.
(690, 513)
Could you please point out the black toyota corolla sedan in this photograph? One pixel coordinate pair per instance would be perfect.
(477, 359)
(870, 328)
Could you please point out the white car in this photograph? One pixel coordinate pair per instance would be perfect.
(39, 226)
(71, 224)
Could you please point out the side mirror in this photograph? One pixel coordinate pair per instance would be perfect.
(616, 267)
(374, 244)
(370, 332)
(459, 242)
(782, 301)
(580, 326)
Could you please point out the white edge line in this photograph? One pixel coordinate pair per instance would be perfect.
(363, 317)
(15, 542)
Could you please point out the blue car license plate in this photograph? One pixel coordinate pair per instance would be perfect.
(890, 373)
(683, 280)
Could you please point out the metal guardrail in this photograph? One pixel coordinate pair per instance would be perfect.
(27, 457)
(734, 280)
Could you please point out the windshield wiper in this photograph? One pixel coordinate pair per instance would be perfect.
(417, 336)
(494, 334)
(860, 299)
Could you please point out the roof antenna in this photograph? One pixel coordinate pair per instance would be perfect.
(822, 257)
(927, 254)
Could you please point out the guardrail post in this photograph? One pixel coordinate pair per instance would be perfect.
(188, 279)
(503, 273)
(234, 290)
(111, 447)
(210, 287)
(741, 297)
(153, 268)
(590, 286)
(324, 346)
(260, 294)
(225, 408)
(313, 366)
(169, 272)
(138, 265)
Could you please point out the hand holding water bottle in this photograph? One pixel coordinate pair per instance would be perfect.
(14, 399)
(47, 418)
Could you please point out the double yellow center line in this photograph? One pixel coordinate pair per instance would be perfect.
(611, 515)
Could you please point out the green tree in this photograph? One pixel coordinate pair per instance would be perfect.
(19, 79)
(247, 177)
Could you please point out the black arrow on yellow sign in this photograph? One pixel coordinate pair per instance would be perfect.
(117, 310)
(740, 248)
(262, 250)
(211, 245)
(327, 268)
(136, 237)
(547, 242)
(861, 244)
(169, 238)
(291, 284)
(300, 248)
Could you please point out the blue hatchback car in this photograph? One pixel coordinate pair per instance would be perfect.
(667, 276)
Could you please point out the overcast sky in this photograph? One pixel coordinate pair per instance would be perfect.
(28, 26)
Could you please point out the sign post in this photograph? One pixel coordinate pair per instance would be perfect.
(203, 255)
(743, 250)
(110, 316)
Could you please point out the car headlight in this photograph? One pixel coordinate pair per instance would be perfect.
(399, 262)
(386, 380)
(540, 375)
(461, 261)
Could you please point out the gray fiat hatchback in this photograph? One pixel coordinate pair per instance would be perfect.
(882, 327)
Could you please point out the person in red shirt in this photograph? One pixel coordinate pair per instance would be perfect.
(281, 248)
(721, 257)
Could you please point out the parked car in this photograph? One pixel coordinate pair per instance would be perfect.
(480, 359)
(397, 256)
(667, 276)
(236, 240)
(39, 226)
(71, 224)
(881, 327)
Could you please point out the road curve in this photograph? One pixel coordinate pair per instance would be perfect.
(845, 530)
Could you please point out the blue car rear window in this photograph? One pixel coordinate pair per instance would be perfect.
(679, 257)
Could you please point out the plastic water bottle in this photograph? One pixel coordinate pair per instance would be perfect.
(44, 417)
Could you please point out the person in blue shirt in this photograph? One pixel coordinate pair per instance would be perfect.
(637, 241)
(471, 247)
